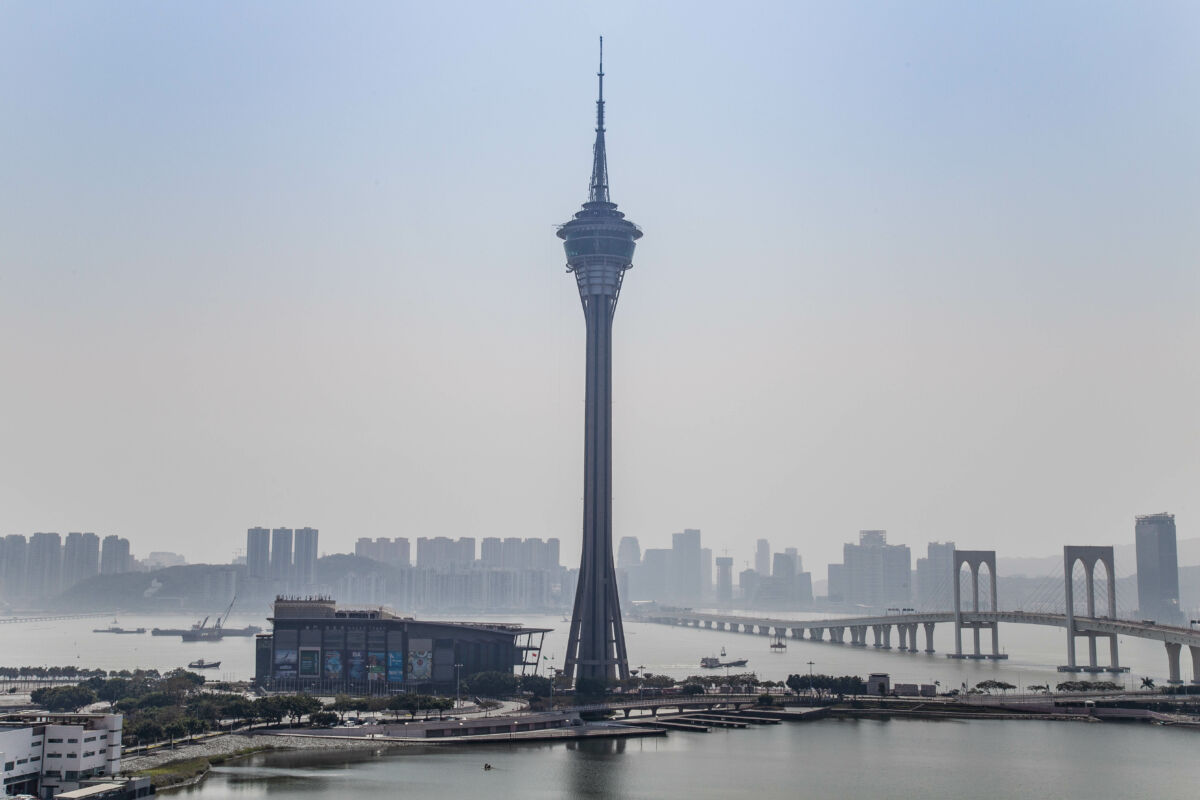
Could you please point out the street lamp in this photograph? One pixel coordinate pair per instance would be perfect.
(810, 678)
(457, 667)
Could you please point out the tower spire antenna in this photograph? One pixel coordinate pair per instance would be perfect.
(598, 190)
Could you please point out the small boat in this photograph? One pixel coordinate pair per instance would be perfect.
(115, 628)
(200, 663)
(722, 652)
(712, 662)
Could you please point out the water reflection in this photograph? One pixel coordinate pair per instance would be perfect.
(595, 769)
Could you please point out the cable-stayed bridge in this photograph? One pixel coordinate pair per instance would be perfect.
(981, 614)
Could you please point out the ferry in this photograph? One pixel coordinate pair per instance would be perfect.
(115, 628)
(712, 662)
(200, 663)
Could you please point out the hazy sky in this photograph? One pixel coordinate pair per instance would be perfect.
(928, 267)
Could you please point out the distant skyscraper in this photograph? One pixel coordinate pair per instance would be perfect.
(599, 243)
(45, 565)
(1157, 568)
(281, 554)
(686, 570)
(724, 580)
(13, 568)
(258, 552)
(81, 558)
(305, 557)
(114, 556)
(762, 558)
(629, 552)
(491, 552)
(935, 577)
(877, 574)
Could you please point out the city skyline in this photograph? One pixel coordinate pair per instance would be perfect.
(267, 309)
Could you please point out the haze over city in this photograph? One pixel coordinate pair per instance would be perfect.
(926, 268)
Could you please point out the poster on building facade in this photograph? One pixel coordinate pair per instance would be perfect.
(310, 662)
(376, 666)
(333, 665)
(285, 663)
(420, 659)
(357, 668)
(395, 666)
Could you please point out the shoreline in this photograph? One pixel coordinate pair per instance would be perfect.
(189, 763)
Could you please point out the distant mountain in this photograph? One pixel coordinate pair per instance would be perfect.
(1124, 558)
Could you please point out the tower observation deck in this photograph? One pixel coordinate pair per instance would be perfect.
(599, 243)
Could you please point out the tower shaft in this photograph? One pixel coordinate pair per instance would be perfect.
(596, 648)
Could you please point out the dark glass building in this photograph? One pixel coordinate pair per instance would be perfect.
(317, 646)
(1157, 568)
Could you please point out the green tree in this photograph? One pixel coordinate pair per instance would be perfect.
(591, 690)
(536, 685)
(493, 684)
(63, 698)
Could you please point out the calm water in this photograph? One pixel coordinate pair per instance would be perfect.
(1033, 651)
(842, 759)
(824, 759)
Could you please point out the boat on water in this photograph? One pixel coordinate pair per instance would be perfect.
(779, 645)
(712, 662)
(200, 663)
(201, 632)
(115, 628)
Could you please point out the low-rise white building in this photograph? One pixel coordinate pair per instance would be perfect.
(45, 754)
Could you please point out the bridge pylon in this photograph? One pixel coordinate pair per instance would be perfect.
(974, 559)
(1089, 557)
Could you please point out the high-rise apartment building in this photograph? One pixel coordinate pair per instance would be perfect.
(114, 556)
(13, 568)
(686, 570)
(935, 577)
(281, 554)
(877, 574)
(304, 559)
(724, 580)
(762, 557)
(384, 550)
(1157, 568)
(81, 558)
(44, 565)
(491, 552)
(258, 552)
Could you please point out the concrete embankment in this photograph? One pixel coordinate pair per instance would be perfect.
(189, 763)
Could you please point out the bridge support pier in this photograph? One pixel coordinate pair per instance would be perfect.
(912, 637)
(858, 635)
(837, 635)
(1173, 663)
(902, 635)
(816, 634)
(1195, 663)
(928, 637)
(883, 636)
